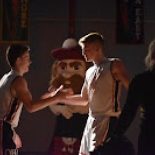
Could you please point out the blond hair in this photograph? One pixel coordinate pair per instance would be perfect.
(150, 58)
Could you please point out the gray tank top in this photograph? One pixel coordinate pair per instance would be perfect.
(101, 88)
(10, 107)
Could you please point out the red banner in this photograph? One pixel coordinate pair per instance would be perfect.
(130, 21)
(15, 20)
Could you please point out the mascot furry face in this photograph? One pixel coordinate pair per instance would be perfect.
(69, 70)
(70, 67)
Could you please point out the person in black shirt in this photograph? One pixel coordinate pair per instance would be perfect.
(141, 94)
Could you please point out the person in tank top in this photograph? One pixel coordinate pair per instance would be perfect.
(14, 93)
(101, 89)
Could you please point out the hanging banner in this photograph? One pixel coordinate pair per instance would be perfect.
(130, 21)
(15, 20)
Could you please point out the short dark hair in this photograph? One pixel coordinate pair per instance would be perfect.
(92, 37)
(14, 51)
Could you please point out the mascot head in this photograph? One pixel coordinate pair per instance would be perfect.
(70, 66)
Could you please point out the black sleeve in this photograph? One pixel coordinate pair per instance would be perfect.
(130, 108)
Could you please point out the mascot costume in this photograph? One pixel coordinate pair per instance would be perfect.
(68, 70)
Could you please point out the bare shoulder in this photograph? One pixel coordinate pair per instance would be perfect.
(117, 65)
(120, 73)
(19, 81)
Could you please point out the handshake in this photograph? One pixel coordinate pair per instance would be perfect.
(66, 102)
(59, 92)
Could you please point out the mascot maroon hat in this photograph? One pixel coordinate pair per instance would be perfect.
(70, 50)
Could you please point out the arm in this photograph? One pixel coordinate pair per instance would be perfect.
(119, 72)
(20, 90)
(67, 110)
(58, 109)
(79, 99)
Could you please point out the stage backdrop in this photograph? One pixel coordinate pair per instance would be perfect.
(130, 21)
(15, 21)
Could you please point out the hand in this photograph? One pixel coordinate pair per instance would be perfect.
(111, 138)
(69, 91)
(17, 141)
(63, 93)
(56, 90)
(109, 146)
(51, 92)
